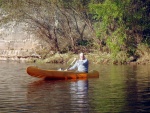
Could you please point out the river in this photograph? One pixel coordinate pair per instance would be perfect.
(123, 88)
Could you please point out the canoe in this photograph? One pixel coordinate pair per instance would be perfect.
(60, 75)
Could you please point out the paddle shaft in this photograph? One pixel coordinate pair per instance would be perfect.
(72, 63)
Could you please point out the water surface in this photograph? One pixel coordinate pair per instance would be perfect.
(118, 89)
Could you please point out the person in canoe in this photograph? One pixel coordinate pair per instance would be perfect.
(81, 64)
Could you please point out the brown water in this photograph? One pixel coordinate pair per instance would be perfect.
(118, 89)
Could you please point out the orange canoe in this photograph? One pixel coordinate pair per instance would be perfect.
(60, 75)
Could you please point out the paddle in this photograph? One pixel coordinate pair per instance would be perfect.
(69, 65)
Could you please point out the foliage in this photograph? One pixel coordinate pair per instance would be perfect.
(109, 25)
(53, 20)
(143, 50)
(121, 24)
(112, 26)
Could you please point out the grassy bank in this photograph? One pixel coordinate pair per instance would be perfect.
(142, 57)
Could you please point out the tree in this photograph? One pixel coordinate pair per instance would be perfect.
(53, 20)
(121, 24)
(109, 25)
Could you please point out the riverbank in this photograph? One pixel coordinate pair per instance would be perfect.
(96, 58)
(142, 57)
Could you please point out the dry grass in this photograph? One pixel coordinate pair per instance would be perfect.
(58, 58)
(143, 51)
(100, 57)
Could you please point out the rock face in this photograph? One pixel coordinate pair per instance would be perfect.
(16, 43)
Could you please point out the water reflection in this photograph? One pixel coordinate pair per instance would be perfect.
(120, 89)
(79, 96)
(137, 90)
(58, 96)
(131, 89)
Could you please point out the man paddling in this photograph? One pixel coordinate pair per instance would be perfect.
(81, 65)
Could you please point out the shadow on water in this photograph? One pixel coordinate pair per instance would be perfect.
(138, 89)
(58, 96)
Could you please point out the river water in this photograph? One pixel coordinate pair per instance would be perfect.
(123, 88)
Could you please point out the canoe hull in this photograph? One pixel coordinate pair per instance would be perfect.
(60, 75)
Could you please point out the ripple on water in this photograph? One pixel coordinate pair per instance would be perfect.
(119, 89)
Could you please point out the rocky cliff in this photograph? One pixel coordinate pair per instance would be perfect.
(16, 43)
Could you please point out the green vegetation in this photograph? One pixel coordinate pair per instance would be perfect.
(121, 24)
(114, 28)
